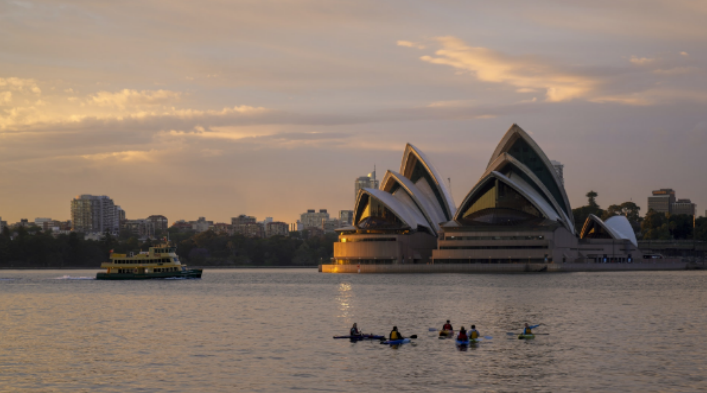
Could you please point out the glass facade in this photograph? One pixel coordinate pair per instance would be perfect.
(596, 232)
(522, 151)
(499, 204)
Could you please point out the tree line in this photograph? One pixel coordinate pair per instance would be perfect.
(652, 226)
(33, 247)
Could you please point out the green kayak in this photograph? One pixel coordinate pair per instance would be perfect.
(526, 336)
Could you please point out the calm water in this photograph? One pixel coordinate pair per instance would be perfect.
(270, 331)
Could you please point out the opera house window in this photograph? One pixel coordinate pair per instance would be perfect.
(499, 204)
(376, 216)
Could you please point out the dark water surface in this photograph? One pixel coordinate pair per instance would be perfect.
(270, 331)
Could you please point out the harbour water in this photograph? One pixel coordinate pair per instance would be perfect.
(271, 330)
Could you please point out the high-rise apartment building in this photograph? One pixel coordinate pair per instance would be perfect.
(313, 219)
(560, 169)
(346, 216)
(662, 200)
(160, 223)
(365, 182)
(684, 206)
(94, 214)
(276, 228)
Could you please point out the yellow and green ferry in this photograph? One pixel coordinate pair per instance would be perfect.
(158, 262)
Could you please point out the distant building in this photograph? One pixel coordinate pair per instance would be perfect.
(365, 182)
(662, 200)
(181, 225)
(684, 206)
(247, 226)
(296, 226)
(267, 220)
(94, 214)
(141, 228)
(276, 228)
(243, 219)
(159, 222)
(346, 217)
(313, 219)
(249, 229)
(121, 217)
(560, 169)
(47, 224)
(3, 224)
(222, 228)
(201, 225)
(329, 226)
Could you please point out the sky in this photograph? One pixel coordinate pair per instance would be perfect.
(270, 108)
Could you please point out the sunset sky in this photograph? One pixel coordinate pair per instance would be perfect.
(269, 108)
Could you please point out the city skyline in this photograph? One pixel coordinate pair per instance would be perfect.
(217, 108)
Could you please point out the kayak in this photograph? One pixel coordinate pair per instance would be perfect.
(446, 333)
(468, 341)
(394, 342)
(526, 336)
(362, 337)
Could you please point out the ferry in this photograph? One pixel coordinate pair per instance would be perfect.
(158, 262)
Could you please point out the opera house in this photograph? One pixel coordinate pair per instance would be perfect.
(517, 213)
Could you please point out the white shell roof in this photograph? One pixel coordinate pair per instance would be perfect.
(427, 204)
(504, 159)
(450, 207)
(411, 217)
(522, 188)
(622, 227)
(505, 144)
(618, 227)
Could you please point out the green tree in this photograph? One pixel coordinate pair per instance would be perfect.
(582, 213)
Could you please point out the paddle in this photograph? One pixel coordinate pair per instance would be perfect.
(534, 334)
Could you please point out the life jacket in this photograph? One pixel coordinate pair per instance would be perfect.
(462, 336)
(355, 332)
(447, 327)
(474, 334)
(394, 335)
(527, 331)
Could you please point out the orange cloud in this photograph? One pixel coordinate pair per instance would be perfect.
(524, 73)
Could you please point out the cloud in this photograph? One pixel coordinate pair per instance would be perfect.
(409, 44)
(641, 60)
(522, 72)
(128, 97)
(19, 84)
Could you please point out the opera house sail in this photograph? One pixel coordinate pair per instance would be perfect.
(518, 212)
(400, 222)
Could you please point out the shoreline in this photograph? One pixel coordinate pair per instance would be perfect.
(190, 266)
(516, 268)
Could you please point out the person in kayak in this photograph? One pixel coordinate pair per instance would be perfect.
(462, 335)
(528, 330)
(473, 333)
(395, 334)
(354, 330)
(447, 326)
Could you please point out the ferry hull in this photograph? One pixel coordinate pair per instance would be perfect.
(192, 273)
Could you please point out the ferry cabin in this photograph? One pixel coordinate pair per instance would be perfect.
(157, 260)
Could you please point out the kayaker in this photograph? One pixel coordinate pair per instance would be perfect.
(447, 326)
(462, 335)
(395, 334)
(528, 329)
(354, 330)
(473, 333)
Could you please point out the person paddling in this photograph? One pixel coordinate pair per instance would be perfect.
(354, 330)
(528, 330)
(462, 335)
(447, 326)
(473, 333)
(395, 334)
